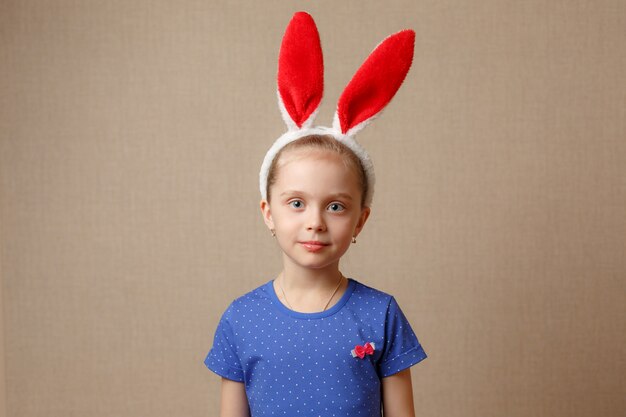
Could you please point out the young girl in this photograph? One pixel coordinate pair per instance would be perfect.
(312, 342)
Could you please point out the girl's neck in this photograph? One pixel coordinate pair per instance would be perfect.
(300, 281)
(310, 292)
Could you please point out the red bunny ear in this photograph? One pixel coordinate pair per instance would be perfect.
(300, 71)
(376, 82)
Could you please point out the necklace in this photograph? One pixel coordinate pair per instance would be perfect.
(331, 297)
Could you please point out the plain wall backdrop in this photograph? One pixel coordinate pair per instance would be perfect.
(131, 134)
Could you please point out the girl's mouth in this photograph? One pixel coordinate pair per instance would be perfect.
(313, 246)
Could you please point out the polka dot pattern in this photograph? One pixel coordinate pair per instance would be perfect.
(300, 364)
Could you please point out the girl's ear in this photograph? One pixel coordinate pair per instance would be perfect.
(267, 214)
(365, 213)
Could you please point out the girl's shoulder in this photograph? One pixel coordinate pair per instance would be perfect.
(251, 297)
(370, 291)
(371, 294)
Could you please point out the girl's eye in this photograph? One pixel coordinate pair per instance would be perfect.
(296, 204)
(336, 207)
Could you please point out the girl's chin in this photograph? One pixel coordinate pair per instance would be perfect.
(314, 262)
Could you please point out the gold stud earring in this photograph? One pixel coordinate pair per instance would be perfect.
(273, 232)
(353, 239)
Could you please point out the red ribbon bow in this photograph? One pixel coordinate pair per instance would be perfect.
(361, 351)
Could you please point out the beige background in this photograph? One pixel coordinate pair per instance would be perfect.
(131, 137)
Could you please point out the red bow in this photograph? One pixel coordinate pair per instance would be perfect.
(361, 351)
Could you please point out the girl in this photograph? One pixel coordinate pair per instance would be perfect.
(312, 342)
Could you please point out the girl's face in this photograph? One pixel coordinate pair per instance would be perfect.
(315, 207)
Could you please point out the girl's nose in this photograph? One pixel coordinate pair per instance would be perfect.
(316, 221)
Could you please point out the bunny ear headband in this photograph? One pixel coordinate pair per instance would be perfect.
(301, 85)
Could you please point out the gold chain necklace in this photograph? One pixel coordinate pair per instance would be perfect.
(331, 297)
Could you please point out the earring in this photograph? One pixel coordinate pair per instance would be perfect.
(273, 232)
(353, 239)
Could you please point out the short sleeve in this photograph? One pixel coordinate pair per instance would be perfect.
(222, 358)
(402, 349)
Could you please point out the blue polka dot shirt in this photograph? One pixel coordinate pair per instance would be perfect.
(328, 363)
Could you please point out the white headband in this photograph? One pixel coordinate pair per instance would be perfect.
(301, 85)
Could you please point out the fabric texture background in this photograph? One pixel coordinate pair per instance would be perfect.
(131, 137)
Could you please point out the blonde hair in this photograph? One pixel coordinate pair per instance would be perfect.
(323, 143)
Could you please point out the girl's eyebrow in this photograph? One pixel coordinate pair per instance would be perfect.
(342, 195)
(345, 196)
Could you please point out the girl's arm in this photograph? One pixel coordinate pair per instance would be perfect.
(398, 395)
(234, 402)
